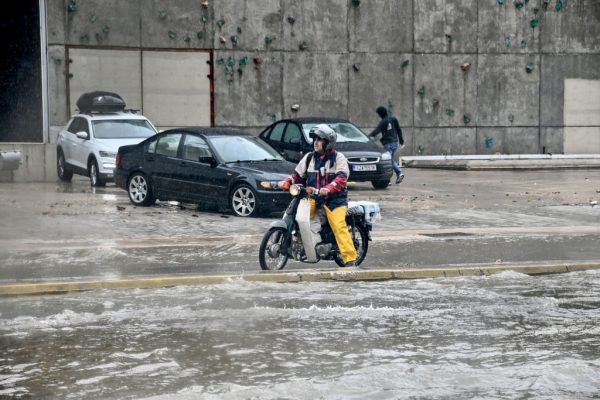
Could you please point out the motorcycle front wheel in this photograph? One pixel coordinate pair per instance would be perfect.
(270, 256)
(360, 238)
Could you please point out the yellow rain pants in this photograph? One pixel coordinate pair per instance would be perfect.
(337, 222)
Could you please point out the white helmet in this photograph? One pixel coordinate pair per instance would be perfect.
(324, 132)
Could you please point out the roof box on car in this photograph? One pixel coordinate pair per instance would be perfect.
(100, 102)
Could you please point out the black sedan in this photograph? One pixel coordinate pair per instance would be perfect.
(215, 168)
(368, 161)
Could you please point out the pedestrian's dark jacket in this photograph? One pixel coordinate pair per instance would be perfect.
(388, 127)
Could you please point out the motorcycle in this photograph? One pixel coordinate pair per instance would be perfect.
(303, 239)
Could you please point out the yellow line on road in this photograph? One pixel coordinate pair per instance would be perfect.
(339, 274)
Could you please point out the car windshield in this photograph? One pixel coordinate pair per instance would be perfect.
(346, 132)
(243, 148)
(122, 128)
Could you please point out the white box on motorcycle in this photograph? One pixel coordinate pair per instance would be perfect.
(371, 209)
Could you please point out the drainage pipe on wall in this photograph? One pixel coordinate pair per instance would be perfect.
(9, 162)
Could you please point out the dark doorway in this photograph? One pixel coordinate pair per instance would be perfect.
(21, 114)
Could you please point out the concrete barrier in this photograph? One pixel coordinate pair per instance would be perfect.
(38, 162)
(339, 274)
(504, 161)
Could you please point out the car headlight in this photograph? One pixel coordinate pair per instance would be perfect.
(268, 184)
(107, 154)
(386, 156)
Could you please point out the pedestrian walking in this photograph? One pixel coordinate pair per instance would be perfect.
(391, 137)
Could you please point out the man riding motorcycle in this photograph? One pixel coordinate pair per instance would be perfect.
(327, 171)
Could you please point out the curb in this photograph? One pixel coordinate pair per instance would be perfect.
(339, 274)
(477, 165)
(504, 161)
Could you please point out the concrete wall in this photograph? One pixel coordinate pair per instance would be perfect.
(337, 58)
(38, 163)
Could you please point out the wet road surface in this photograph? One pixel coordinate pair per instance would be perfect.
(502, 336)
(70, 230)
(505, 336)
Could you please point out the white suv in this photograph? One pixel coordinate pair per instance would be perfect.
(89, 143)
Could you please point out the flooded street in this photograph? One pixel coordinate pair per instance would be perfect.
(504, 336)
(58, 231)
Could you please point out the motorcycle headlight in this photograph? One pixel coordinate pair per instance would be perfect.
(294, 190)
(386, 156)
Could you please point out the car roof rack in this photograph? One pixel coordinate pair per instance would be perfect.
(100, 102)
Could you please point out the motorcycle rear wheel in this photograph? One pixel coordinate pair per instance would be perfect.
(360, 238)
(270, 256)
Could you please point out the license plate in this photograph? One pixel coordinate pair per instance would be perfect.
(371, 167)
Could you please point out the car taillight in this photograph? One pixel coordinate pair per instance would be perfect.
(118, 159)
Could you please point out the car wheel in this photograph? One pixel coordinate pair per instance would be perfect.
(63, 172)
(95, 178)
(140, 190)
(381, 183)
(243, 201)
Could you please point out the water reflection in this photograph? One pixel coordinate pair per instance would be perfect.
(504, 336)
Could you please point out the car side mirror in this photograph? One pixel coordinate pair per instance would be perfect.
(295, 141)
(82, 135)
(208, 160)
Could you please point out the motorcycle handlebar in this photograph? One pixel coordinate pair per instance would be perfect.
(313, 192)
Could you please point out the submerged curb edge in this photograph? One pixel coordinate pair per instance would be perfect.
(339, 274)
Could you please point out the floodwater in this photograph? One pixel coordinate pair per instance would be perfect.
(504, 336)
